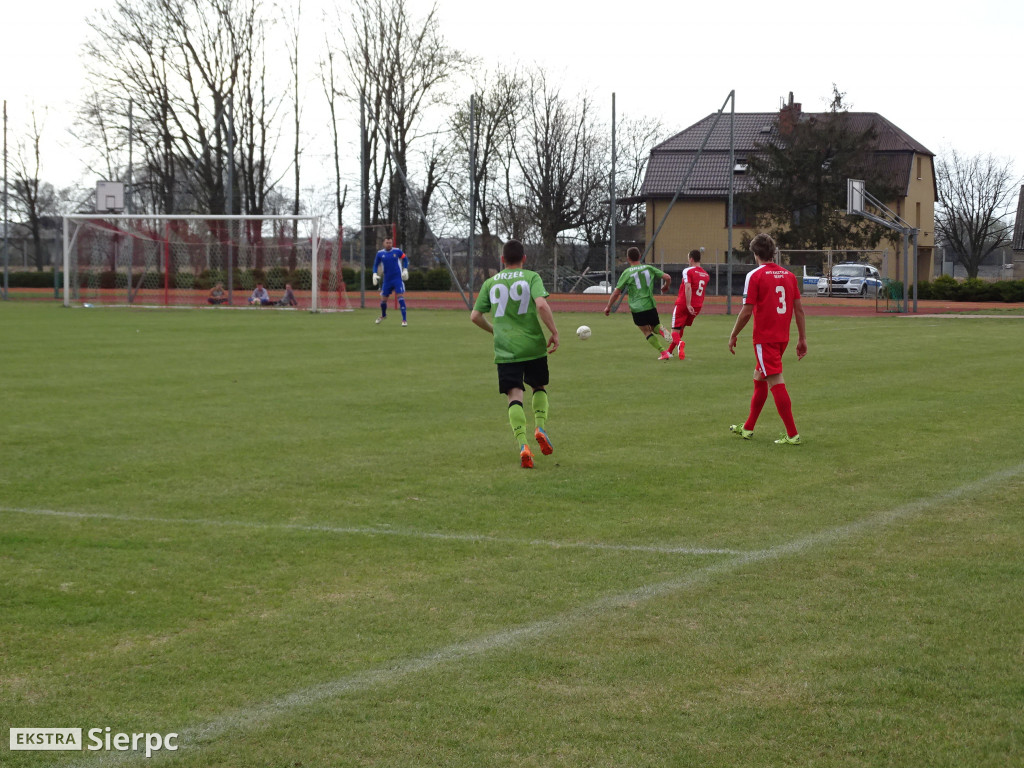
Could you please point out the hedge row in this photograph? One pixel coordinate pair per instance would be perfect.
(439, 279)
(31, 279)
(947, 288)
(242, 280)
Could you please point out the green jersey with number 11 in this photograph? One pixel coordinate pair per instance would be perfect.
(518, 335)
(637, 281)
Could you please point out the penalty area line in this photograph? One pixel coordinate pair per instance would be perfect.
(247, 719)
(657, 549)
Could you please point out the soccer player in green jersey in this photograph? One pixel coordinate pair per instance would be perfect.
(637, 281)
(520, 304)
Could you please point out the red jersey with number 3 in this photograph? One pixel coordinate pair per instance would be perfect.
(698, 279)
(771, 290)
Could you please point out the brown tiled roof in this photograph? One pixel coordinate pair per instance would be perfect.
(671, 159)
(749, 131)
(1018, 227)
(709, 177)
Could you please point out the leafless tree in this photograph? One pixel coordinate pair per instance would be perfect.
(595, 172)
(180, 63)
(635, 138)
(497, 105)
(437, 162)
(328, 79)
(293, 61)
(555, 149)
(255, 113)
(30, 196)
(400, 65)
(99, 132)
(976, 194)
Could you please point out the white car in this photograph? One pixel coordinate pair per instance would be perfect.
(851, 279)
(603, 287)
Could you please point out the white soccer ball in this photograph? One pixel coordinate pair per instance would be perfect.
(583, 332)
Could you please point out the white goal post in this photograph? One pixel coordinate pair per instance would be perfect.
(200, 261)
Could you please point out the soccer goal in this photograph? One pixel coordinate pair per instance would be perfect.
(200, 261)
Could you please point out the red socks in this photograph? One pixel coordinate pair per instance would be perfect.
(785, 408)
(782, 403)
(676, 338)
(757, 402)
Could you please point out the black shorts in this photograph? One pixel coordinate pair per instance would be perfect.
(647, 317)
(533, 372)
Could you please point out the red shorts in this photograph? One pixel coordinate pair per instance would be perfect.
(769, 357)
(681, 318)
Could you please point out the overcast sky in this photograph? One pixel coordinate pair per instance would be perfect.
(948, 74)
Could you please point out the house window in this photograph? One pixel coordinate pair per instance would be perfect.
(739, 215)
(809, 211)
(917, 215)
(919, 161)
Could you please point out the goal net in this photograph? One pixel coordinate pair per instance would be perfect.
(200, 261)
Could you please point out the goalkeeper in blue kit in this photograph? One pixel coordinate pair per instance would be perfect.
(396, 271)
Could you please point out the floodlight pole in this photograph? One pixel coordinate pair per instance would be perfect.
(914, 236)
(364, 177)
(906, 234)
(472, 187)
(7, 224)
(67, 262)
(732, 176)
(131, 134)
(230, 199)
(128, 202)
(609, 277)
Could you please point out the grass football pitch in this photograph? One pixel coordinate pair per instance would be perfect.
(305, 540)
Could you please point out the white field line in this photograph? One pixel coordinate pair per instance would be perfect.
(192, 740)
(658, 549)
(946, 316)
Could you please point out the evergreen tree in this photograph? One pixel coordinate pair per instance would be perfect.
(800, 182)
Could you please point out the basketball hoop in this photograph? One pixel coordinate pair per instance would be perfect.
(854, 196)
(109, 197)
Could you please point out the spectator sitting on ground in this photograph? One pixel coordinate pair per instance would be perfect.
(217, 295)
(288, 300)
(260, 296)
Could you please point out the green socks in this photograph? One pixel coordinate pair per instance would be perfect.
(655, 341)
(540, 408)
(517, 418)
(517, 415)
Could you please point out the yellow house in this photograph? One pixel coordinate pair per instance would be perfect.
(699, 216)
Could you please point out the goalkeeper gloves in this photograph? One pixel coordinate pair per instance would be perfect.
(405, 273)
(376, 279)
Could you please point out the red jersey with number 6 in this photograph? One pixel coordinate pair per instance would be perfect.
(771, 290)
(698, 281)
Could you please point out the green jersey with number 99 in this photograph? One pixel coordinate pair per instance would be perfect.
(637, 282)
(518, 335)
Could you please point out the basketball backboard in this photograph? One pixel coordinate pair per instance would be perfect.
(854, 196)
(109, 196)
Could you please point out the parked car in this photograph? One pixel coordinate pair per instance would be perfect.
(810, 279)
(851, 279)
(603, 287)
